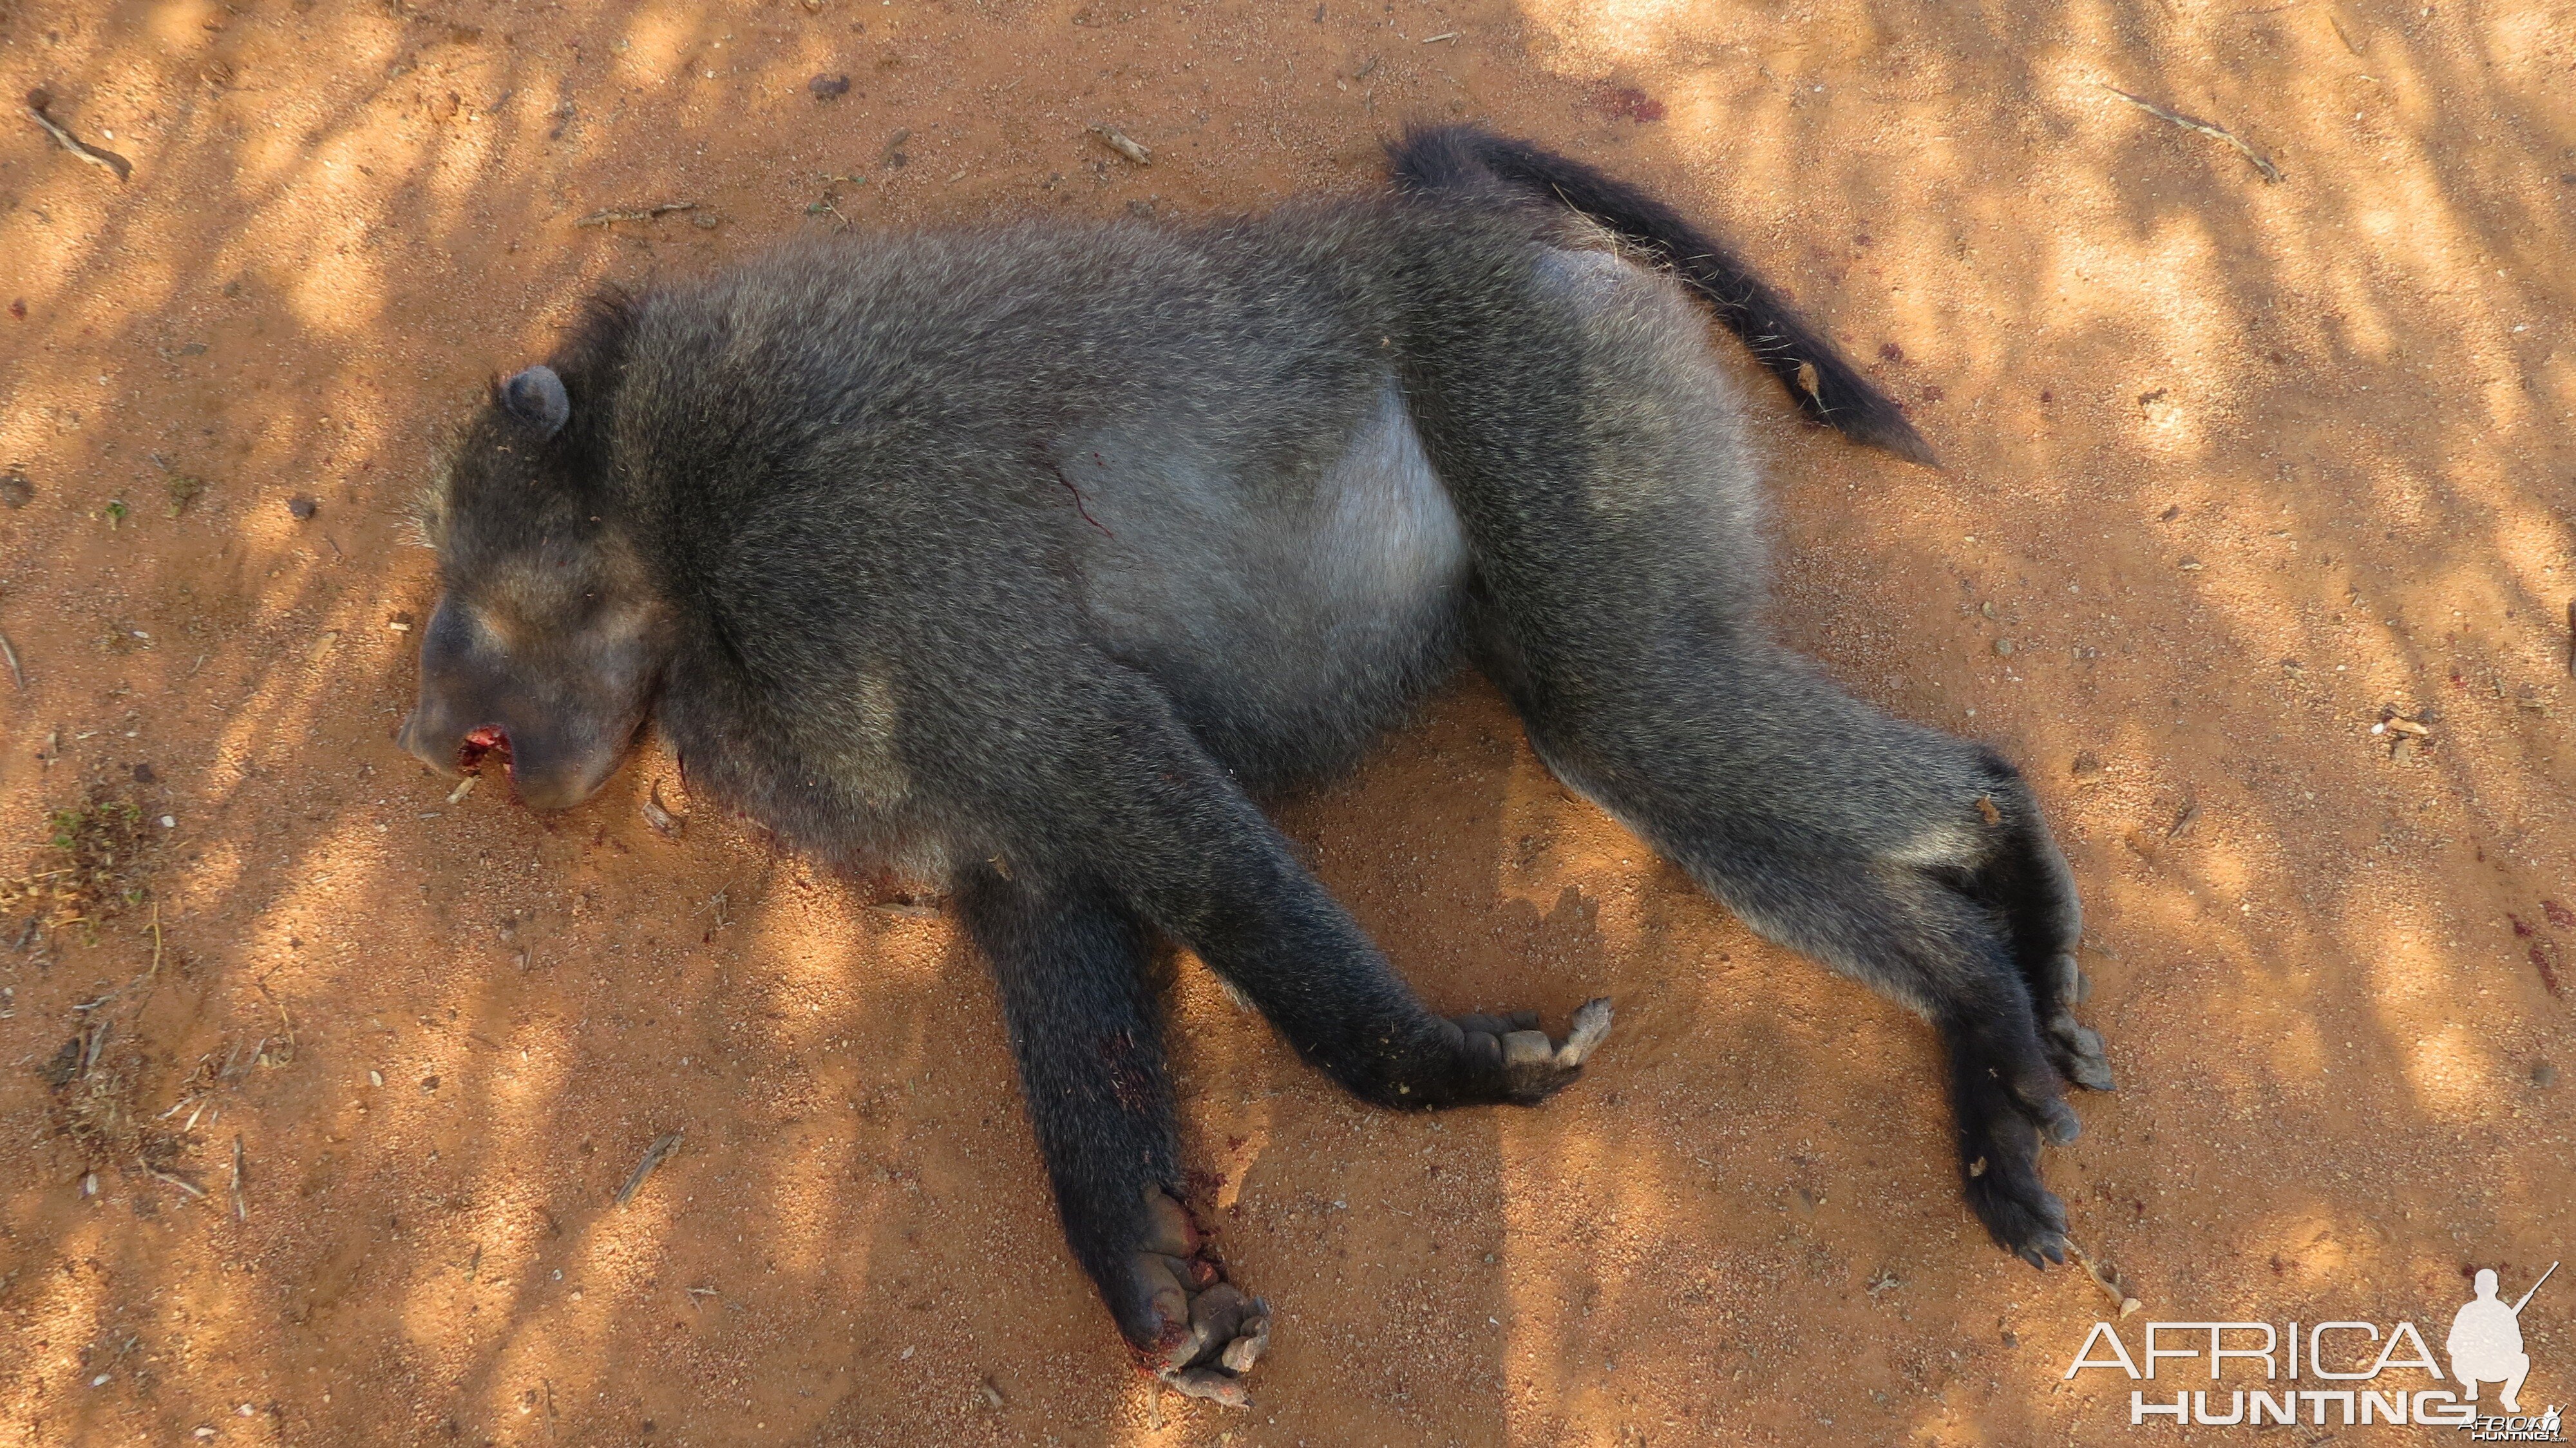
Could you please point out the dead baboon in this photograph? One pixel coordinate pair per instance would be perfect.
(1030, 559)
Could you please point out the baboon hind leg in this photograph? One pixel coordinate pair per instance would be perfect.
(1912, 861)
(1597, 458)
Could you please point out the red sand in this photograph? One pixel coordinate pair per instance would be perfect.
(2237, 468)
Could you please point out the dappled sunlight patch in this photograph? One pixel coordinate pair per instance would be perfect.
(658, 43)
(2453, 1070)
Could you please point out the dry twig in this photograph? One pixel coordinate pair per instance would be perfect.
(283, 1019)
(18, 676)
(662, 1147)
(2262, 163)
(194, 1191)
(644, 213)
(37, 100)
(2108, 1278)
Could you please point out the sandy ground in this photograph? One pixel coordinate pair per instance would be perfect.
(2238, 471)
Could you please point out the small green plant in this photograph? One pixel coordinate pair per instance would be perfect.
(184, 488)
(115, 512)
(90, 871)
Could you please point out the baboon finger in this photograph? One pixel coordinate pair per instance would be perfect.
(1525, 1049)
(1168, 1229)
(1214, 1384)
(1245, 1350)
(1591, 1027)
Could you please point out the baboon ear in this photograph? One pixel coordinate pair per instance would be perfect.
(536, 397)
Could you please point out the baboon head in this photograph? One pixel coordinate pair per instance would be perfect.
(547, 644)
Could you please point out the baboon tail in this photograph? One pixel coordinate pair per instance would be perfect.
(1826, 387)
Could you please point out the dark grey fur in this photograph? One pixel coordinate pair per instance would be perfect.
(1029, 558)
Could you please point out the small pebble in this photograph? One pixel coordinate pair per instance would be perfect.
(15, 490)
(2004, 647)
(829, 87)
(2544, 1075)
(302, 506)
(169, 822)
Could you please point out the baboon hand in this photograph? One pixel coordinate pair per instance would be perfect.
(1199, 1333)
(1531, 1064)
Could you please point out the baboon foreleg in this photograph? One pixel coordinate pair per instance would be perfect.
(1208, 869)
(1087, 1033)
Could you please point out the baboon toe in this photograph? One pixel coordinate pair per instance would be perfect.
(2024, 1217)
(2072, 984)
(2077, 1052)
(2002, 1121)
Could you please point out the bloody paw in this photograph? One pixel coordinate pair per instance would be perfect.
(1203, 1334)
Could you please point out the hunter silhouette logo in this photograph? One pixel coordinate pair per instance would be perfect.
(2486, 1341)
(2259, 1373)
